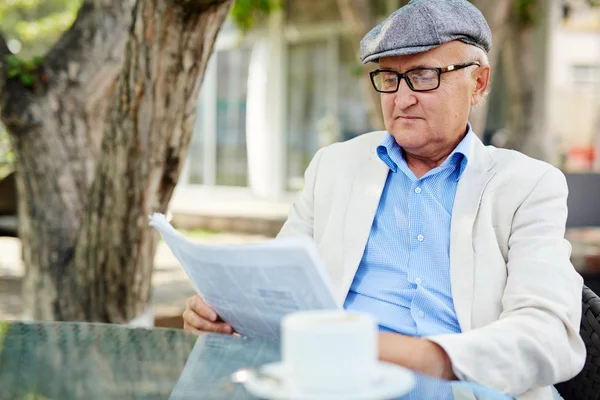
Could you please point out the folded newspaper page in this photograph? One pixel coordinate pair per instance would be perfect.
(252, 286)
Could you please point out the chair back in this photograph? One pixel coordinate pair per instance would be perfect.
(586, 385)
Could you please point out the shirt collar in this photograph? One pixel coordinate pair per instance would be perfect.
(391, 153)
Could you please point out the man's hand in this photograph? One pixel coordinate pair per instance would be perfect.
(418, 354)
(199, 317)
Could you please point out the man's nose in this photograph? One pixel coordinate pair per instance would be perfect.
(405, 97)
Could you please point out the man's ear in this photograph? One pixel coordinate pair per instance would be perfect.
(481, 79)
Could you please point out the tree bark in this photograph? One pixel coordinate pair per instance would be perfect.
(496, 13)
(525, 60)
(4, 51)
(147, 133)
(55, 135)
(358, 15)
(85, 189)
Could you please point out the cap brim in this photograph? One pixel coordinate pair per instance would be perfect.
(398, 52)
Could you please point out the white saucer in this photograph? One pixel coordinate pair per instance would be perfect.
(391, 381)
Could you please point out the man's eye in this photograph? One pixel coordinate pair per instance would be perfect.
(423, 78)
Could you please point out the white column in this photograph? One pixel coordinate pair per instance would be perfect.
(209, 120)
(265, 117)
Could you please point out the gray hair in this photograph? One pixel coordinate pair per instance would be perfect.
(474, 53)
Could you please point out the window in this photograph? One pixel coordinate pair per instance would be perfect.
(232, 77)
(352, 97)
(218, 153)
(195, 167)
(308, 72)
(586, 75)
(325, 101)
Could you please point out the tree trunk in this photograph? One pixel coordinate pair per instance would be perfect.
(83, 207)
(147, 134)
(496, 13)
(525, 62)
(358, 15)
(55, 131)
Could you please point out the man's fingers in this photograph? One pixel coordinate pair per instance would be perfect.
(201, 308)
(224, 327)
(199, 316)
(193, 319)
(196, 322)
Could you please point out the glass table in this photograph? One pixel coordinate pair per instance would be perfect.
(53, 360)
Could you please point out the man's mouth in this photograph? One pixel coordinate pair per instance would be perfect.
(407, 117)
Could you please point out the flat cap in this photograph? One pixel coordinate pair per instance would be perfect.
(422, 25)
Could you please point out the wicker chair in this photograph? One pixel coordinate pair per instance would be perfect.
(586, 385)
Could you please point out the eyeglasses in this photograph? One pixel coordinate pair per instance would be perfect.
(418, 79)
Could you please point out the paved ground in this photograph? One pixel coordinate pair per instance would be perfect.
(170, 283)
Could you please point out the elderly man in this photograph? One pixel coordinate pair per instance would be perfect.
(456, 248)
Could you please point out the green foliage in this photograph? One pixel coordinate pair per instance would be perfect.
(246, 13)
(526, 11)
(35, 396)
(36, 24)
(3, 331)
(29, 72)
(7, 159)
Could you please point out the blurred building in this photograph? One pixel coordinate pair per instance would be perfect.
(273, 96)
(575, 87)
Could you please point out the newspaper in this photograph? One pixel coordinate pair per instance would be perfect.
(252, 286)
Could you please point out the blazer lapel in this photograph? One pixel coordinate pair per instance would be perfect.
(466, 205)
(364, 200)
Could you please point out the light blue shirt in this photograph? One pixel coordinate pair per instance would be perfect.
(404, 276)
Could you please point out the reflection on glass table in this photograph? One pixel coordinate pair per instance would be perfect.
(99, 361)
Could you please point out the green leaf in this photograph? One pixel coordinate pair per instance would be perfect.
(26, 79)
(37, 60)
(245, 13)
(13, 60)
(29, 66)
(357, 69)
(13, 71)
(4, 327)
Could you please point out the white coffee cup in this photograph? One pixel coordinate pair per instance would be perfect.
(329, 351)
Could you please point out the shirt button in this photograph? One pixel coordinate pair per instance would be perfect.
(420, 238)
(418, 281)
(421, 314)
(418, 190)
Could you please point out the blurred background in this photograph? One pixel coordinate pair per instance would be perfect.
(285, 82)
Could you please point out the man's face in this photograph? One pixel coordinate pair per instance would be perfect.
(425, 123)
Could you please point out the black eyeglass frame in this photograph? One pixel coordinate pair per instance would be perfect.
(440, 71)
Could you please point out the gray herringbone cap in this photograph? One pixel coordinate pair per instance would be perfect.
(422, 25)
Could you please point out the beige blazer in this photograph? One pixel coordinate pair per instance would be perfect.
(516, 295)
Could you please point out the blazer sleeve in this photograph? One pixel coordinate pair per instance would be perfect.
(301, 216)
(536, 340)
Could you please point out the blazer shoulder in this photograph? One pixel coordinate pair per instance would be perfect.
(520, 166)
(360, 147)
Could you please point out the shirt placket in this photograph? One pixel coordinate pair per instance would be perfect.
(417, 239)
